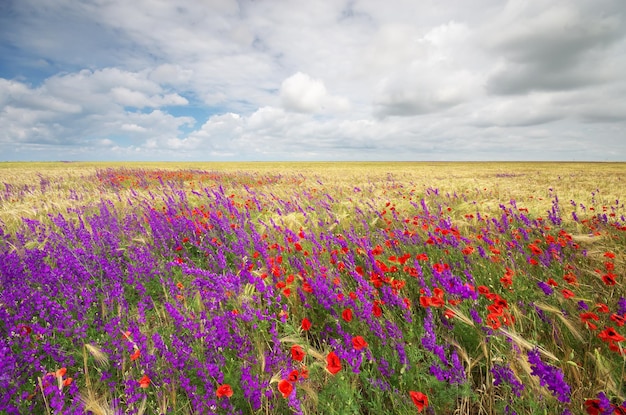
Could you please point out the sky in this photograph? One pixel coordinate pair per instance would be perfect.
(336, 80)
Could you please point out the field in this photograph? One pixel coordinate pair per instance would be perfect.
(312, 288)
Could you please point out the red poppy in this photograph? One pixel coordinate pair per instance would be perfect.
(376, 310)
(592, 406)
(224, 390)
(285, 388)
(585, 317)
(609, 279)
(619, 320)
(306, 324)
(359, 343)
(347, 314)
(419, 400)
(293, 376)
(602, 308)
(297, 353)
(609, 255)
(570, 278)
(567, 293)
(421, 257)
(333, 364)
(144, 382)
(136, 354)
(610, 335)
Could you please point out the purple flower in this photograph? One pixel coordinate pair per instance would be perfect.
(505, 374)
(549, 376)
(547, 290)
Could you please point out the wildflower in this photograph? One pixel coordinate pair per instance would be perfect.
(224, 390)
(504, 373)
(549, 376)
(609, 279)
(567, 293)
(136, 354)
(333, 364)
(285, 388)
(293, 376)
(306, 324)
(585, 317)
(359, 343)
(297, 353)
(347, 315)
(419, 400)
(144, 382)
(610, 335)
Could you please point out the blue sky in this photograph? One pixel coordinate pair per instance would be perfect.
(205, 80)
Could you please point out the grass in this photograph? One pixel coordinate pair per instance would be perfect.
(479, 288)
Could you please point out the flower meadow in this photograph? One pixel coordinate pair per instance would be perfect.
(194, 291)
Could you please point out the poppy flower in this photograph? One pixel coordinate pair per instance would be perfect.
(333, 364)
(285, 388)
(585, 317)
(347, 315)
(592, 406)
(144, 382)
(135, 355)
(610, 335)
(306, 324)
(293, 376)
(609, 279)
(359, 343)
(297, 353)
(419, 400)
(567, 293)
(224, 390)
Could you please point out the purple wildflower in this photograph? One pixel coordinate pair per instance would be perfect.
(549, 376)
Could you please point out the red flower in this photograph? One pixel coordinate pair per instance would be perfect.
(144, 382)
(610, 335)
(285, 388)
(608, 278)
(306, 324)
(224, 390)
(136, 354)
(567, 293)
(619, 320)
(359, 343)
(297, 353)
(293, 376)
(609, 255)
(592, 406)
(419, 400)
(602, 308)
(333, 364)
(422, 257)
(347, 314)
(585, 317)
(376, 310)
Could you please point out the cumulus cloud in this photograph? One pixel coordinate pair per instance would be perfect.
(301, 93)
(557, 46)
(422, 74)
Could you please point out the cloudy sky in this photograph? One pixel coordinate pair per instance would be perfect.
(204, 80)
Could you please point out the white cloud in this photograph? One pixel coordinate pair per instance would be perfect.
(301, 93)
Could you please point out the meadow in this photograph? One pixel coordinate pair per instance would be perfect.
(312, 288)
